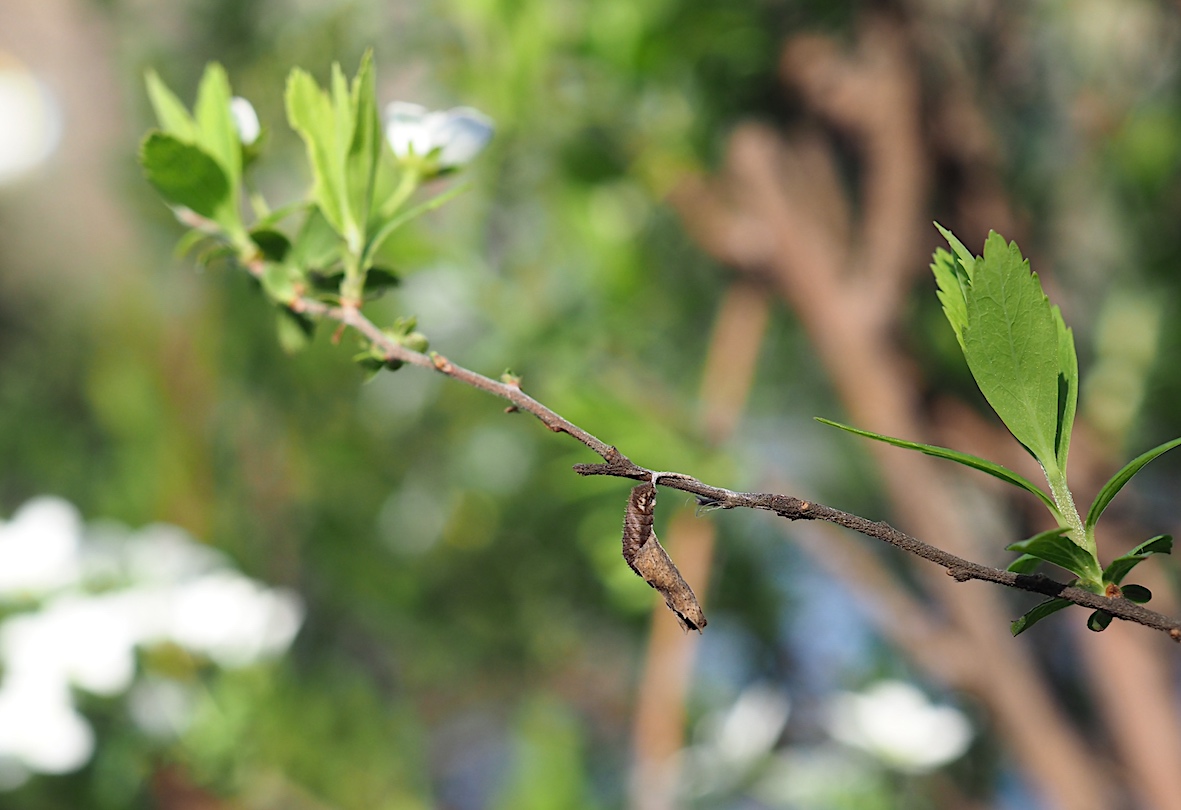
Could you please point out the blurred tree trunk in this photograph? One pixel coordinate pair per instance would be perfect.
(777, 211)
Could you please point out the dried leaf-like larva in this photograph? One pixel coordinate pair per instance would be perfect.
(647, 557)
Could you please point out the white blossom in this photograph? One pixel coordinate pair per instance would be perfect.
(30, 121)
(39, 548)
(459, 134)
(40, 728)
(85, 640)
(245, 120)
(174, 590)
(233, 619)
(895, 722)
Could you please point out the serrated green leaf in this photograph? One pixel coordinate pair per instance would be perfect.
(1037, 613)
(1097, 622)
(1054, 547)
(310, 113)
(1117, 482)
(342, 131)
(215, 124)
(1011, 345)
(1067, 386)
(1025, 564)
(185, 175)
(1118, 568)
(173, 116)
(976, 463)
(366, 140)
(951, 282)
(966, 260)
(1136, 593)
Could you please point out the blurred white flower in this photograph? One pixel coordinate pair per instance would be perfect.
(174, 590)
(232, 619)
(32, 120)
(87, 641)
(753, 724)
(459, 134)
(39, 548)
(735, 742)
(40, 728)
(164, 554)
(895, 722)
(245, 120)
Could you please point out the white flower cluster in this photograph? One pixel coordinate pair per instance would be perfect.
(80, 601)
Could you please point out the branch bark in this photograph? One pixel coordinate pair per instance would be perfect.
(618, 465)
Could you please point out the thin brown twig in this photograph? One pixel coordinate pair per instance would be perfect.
(617, 464)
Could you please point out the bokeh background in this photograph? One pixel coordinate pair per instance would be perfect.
(698, 226)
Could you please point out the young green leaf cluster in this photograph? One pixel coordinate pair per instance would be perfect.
(362, 180)
(1022, 356)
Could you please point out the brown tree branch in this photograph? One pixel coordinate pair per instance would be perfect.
(958, 568)
(617, 464)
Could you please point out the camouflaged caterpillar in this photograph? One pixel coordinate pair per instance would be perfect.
(643, 552)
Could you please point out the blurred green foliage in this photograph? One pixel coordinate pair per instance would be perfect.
(472, 635)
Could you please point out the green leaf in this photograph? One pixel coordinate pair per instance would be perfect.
(1067, 386)
(342, 132)
(1011, 345)
(1097, 622)
(1025, 564)
(293, 330)
(1037, 613)
(1136, 593)
(995, 470)
(273, 218)
(317, 246)
(273, 244)
(311, 114)
(1118, 568)
(1053, 547)
(186, 175)
(190, 241)
(365, 146)
(966, 260)
(952, 282)
(386, 229)
(173, 116)
(378, 280)
(215, 124)
(279, 281)
(1112, 487)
